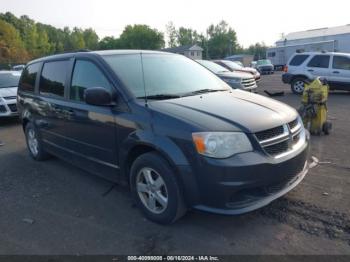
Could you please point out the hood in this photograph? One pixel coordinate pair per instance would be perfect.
(8, 91)
(234, 74)
(250, 70)
(247, 70)
(228, 111)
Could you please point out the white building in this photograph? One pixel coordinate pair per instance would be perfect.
(191, 51)
(333, 39)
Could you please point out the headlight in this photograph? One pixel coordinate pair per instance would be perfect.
(232, 80)
(221, 144)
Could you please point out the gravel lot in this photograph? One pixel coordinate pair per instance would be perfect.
(54, 208)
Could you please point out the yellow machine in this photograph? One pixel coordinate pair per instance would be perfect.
(314, 107)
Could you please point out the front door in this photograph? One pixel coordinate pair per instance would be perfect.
(319, 66)
(90, 130)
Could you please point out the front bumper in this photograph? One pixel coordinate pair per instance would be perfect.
(247, 181)
(265, 70)
(287, 78)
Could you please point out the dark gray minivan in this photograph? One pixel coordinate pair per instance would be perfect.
(178, 135)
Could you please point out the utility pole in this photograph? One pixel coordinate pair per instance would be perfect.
(207, 49)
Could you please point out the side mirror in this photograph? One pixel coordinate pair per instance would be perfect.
(98, 96)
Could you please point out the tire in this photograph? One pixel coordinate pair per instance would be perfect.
(34, 143)
(297, 85)
(327, 127)
(159, 197)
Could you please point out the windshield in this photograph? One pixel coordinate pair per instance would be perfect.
(215, 68)
(163, 74)
(232, 65)
(264, 62)
(9, 80)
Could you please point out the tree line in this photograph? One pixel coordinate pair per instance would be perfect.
(23, 39)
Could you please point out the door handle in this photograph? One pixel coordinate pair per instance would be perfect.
(310, 70)
(335, 72)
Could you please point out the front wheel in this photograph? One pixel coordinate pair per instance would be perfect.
(156, 189)
(298, 85)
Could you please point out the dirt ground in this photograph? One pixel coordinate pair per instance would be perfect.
(54, 208)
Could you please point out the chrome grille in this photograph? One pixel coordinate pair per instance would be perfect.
(278, 140)
(270, 133)
(293, 124)
(10, 97)
(277, 149)
(248, 82)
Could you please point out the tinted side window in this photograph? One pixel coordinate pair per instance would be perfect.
(341, 62)
(129, 70)
(53, 78)
(27, 82)
(321, 61)
(298, 60)
(85, 75)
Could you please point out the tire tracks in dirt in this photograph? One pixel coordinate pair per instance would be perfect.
(310, 218)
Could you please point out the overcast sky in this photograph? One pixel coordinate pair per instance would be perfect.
(253, 20)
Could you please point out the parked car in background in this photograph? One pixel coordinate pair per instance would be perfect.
(253, 64)
(265, 66)
(235, 79)
(8, 93)
(243, 59)
(161, 123)
(18, 67)
(335, 67)
(238, 63)
(234, 67)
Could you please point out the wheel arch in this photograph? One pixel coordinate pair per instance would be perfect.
(26, 116)
(300, 76)
(166, 148)
(140, 148)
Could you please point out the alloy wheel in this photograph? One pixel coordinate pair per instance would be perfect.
(33, 142)
(299, 86)
(152, 190)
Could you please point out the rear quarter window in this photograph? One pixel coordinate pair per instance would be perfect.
(298, 60)
(341, 62)
(28, 78)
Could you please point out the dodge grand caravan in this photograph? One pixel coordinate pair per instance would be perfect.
(177, 134)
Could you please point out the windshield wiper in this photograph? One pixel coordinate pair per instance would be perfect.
(202, 91)
(160, 96)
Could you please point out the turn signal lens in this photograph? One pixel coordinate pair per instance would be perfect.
(199, 142)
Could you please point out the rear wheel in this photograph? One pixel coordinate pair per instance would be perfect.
(297, 85)
(34, 143)
(156, 189)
